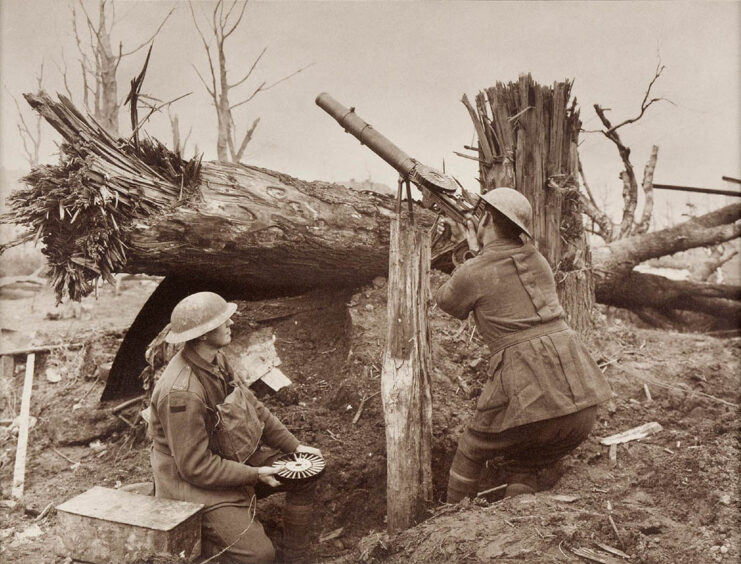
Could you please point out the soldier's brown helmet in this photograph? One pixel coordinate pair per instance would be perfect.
(198, 314)
(512, 205)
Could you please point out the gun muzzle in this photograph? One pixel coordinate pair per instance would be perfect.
(365, 133)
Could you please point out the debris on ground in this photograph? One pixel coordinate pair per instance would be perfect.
(673, 488)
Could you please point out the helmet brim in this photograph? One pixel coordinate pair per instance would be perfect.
(197, 331)
(514, 220)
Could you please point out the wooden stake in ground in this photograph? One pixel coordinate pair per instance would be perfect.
(405, 378)
(19, 472)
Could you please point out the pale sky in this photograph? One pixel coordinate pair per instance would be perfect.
(405, 65)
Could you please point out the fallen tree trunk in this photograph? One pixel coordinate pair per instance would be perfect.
(613, 262)
(619, 285)
(639, 290)
(105, 209)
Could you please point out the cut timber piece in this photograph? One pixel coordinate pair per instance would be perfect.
(7, 366)
(405, 378)
(104, 525)
(19, 471)
(633, 434)
(258, 360)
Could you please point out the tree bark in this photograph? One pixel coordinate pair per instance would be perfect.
(239, 225)
(528, 137)
(639, 290)
(405, 378)
(267, 229)
(614, 262)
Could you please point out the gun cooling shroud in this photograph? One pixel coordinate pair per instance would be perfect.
(438, 189)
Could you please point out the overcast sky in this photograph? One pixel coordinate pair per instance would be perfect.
(405, 65)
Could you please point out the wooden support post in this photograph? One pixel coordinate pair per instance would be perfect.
(19, 471)
(405, 378)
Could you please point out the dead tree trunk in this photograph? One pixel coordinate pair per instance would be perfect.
(639, 290)
(267, 229)
(528, 137)
(405, 378)
(613, 262)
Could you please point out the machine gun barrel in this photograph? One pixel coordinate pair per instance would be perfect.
(438, 189)
(364, 132)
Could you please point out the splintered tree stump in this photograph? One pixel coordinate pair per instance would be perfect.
(528, 137)
(405, 378)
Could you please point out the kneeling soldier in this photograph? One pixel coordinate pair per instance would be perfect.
(539, 402)
(214, 442)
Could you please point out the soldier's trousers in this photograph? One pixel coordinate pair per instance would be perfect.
(235, 531)
(521, 451)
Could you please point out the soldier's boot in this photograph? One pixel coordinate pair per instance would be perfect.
(295, 546)
(463, 480)
(521, 483)
(550, 475)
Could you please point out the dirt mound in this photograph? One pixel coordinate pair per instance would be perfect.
(672, 497)
(669, 498)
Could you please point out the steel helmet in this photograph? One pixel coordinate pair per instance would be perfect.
(512, 205)
(198, 314)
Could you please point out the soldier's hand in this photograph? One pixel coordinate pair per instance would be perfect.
(472, 235)
(308, 449)
(265, 475)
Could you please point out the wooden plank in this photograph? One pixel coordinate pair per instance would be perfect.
(633, 434)
(19, 471)
(40, 348)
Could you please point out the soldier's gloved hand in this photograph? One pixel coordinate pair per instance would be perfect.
(308, 449)
(265, 475)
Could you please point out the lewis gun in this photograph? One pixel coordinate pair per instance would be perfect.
(439, 191)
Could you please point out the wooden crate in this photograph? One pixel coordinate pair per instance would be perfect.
(104, 525)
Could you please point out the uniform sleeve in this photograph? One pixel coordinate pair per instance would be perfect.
(183, 418)
(274, 433)
(458, 295)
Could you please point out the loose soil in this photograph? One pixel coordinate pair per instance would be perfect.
(672, 497)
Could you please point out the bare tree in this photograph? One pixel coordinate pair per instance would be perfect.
(31, 134)
(179, 143)
(224, 22)
(99, 62)
(604, 227)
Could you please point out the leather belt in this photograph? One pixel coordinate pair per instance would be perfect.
(527, 334)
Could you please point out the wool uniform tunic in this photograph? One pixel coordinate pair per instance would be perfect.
(538, 367)
(186, 459)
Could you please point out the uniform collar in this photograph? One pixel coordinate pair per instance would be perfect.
(500, 245)
(194, 359)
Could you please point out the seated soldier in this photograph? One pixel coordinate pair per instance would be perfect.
(539, 402)
(214, 442)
